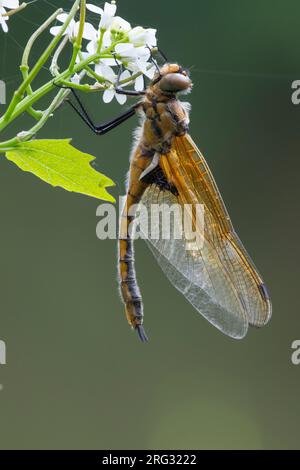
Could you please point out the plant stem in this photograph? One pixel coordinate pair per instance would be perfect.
(19, 106)
(93, 74)
(78, 42)
(34, 37)
(23, 136)
(18, 95)
(54, 68)
(46, 88)
(78, 86)
(102, 31)
(27, 135)
(16, 10)
(24, 67)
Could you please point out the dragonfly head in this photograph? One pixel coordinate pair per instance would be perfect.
(173, 79)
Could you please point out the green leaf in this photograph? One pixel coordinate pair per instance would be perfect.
(60, 164)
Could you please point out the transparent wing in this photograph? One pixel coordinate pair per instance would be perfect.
(214, 272)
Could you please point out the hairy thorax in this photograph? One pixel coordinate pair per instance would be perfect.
(165, 118)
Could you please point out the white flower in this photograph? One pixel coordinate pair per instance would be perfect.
(111, 93)
(108, 73)
(107, 15)
(120, 25)
(94, 9)
(142, 37)
(139, 83)
(11, 4)
(72, 29)
(136, 59)
(105, 71)
(122, 46)
(92, 46)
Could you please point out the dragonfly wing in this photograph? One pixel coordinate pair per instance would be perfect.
(216, 276)
(194, 273)
(244, 274)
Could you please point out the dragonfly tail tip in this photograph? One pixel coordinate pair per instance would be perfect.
(141, 332)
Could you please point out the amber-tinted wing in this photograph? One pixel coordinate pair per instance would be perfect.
(218, 277)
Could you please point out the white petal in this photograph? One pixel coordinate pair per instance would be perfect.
(75, 78)
(98, 69)
(119, 24)
(106, 41)
(121, 48)
(10, 3)
(137, 36)
(142, 65)
(150, 72)
(126, 50)
(136, 30)
(105, 22)
(108, 95)
(55, 30)
(121, 99)
(105, 71)
(62, 17)
(142, 53)
(94, 9)
(91, 47)
(139, 83)
(74, 31)
(112, 62)
(132, 67)
(85, 55)
(110, 9)
(89, 32)
(3, 24)
(124, 75)
(151, 37)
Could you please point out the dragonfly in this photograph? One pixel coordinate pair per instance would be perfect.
(219, 278)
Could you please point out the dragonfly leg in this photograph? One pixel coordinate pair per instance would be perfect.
(99, 129)
(120, 90)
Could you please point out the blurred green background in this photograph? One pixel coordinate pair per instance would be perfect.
(76, 376)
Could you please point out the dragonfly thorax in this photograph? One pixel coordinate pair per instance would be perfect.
(165, 118)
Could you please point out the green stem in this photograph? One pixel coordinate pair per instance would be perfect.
(81, 23)
(43, 90)
(102, 31)
(18, 95)
(54, 68)
(93, 74)
(24, 67)
(77, 86)
(27, 135)
(35, 35)
(16, 10)
(23, 105)
(46, 114)
(36, 114)
(77, 43)
(23, 136)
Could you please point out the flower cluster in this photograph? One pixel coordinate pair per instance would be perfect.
(117, 45)
(10, 4)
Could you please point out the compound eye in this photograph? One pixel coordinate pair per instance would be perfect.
(175, 82)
